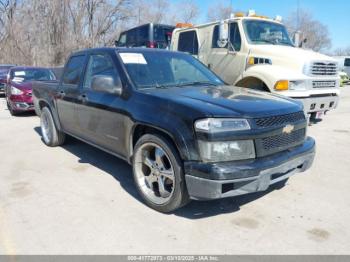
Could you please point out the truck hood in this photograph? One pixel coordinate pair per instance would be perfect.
(228, 101)
(288, 56)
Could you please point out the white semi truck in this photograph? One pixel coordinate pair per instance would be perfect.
(256, 52)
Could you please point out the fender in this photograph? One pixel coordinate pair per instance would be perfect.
(175, 129)
(270, 74)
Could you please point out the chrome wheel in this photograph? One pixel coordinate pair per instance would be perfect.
(154, 172)
(45, 127)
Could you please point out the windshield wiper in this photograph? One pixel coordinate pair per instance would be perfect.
(267, 41)
(197, 83)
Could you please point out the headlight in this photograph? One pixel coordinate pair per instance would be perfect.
(215, 125)
(297, 85)
(16, 91)
(226, 150)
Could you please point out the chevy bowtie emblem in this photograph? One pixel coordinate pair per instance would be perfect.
(288, 129)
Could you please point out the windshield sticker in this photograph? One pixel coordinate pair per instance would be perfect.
(133, 58)
(20, 73)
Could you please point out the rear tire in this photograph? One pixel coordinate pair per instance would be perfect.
(50, 134)
(158, 174)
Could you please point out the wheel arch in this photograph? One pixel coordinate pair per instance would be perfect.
(254, 83)
(141, 129)
(44, 103)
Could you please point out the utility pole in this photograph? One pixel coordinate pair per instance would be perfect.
(298, 15)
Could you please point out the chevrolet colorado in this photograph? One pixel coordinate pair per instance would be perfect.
(185, 132)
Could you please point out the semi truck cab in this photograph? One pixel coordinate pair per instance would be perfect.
(256, 52)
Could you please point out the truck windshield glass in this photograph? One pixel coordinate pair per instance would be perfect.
(24, 75)
(264, 32)
(165, 70)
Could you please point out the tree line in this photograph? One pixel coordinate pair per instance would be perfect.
(45, 32)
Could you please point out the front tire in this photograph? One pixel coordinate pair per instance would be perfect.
(50, 134)
(158, 174)
(11, 110)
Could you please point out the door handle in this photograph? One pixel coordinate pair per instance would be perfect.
(83, 98)
(62, 93)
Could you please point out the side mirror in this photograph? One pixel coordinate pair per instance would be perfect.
(223, 34)
(296, 38)
(116, 43)
(107, 84)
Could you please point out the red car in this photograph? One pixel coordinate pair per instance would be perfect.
(18, 89)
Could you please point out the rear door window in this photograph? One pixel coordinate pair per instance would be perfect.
(162, 35)
(131, 37)
(188, 42)
(122, 40)
(74, 69)
(347, 62)
(142, 35)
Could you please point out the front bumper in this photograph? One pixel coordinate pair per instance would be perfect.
(21, 102)
(207, 181)
(319, 104)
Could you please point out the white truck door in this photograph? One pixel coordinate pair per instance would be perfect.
(227, 62)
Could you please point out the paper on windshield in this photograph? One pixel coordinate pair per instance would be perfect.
(20, 73)
(133, 58)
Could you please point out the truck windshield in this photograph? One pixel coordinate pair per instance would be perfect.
(265, 32)
(166, 70)
(24, 75)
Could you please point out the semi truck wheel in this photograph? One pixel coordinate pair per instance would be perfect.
(158, 174)
(50, 134)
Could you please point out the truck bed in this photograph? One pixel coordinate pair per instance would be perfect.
(43, 90)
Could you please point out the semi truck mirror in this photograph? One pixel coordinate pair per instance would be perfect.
(223, 34)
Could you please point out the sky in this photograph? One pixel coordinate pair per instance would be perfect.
(335, 13)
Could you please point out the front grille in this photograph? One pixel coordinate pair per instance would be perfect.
(277, 143)
(324, 68)
(279, 120)
(283, 140)
(323, 84)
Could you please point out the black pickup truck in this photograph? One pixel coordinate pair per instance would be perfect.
(185, 132)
